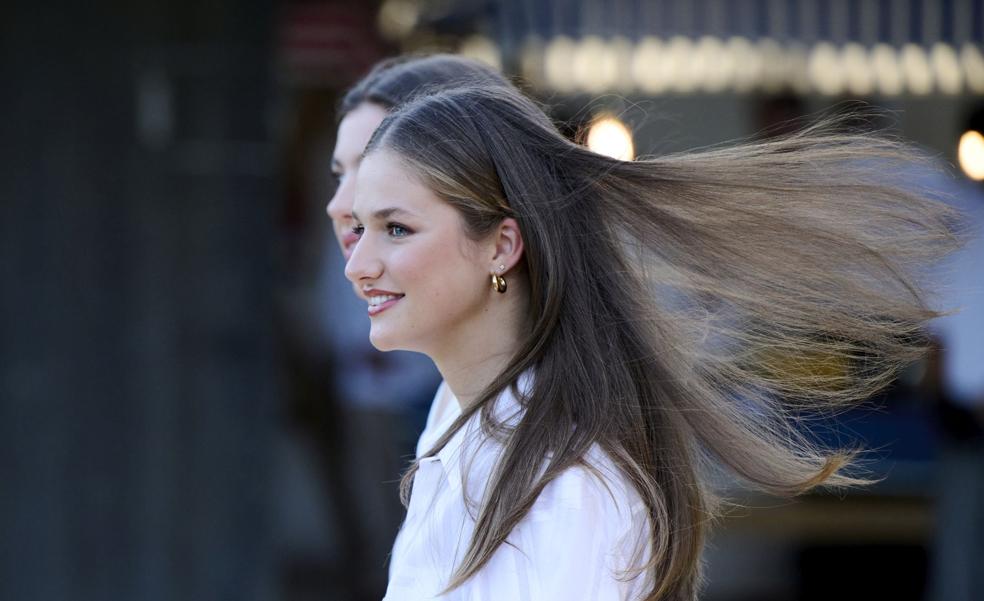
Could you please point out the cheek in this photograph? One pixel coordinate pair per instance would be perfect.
(442, 278)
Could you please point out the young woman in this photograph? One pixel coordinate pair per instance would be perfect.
(612, 331)
(390, 83)
(382, 397)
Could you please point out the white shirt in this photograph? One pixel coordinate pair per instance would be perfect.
(573, 544)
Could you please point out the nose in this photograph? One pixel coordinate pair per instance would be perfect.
(363, 266)
(340, 206)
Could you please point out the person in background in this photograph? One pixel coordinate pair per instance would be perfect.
(573, 304)
(383, 398)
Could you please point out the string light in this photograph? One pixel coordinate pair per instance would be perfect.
(973, 67)
(531, 59)
(888, 73)
(797, 68)
(915, 69)
(645, 66)
(773, 72)
(858, 74)
(709, 55)
(946, 66)
(622, 49)
(745, 63)
(595, 65)
(682, 65)
(679, 65)
(557, 64)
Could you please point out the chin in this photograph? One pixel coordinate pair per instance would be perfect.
(384, 343)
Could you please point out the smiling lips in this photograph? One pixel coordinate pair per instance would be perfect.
(379, 301)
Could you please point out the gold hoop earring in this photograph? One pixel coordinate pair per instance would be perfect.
(498, 283)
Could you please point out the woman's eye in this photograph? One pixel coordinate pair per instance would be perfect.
(397, 231)
(358, 229)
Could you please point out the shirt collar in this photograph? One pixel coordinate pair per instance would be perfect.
(470, 449)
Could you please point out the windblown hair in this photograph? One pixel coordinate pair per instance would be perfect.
(679, 306)
(394, 81)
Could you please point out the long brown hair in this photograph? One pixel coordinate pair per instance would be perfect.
(659, 290)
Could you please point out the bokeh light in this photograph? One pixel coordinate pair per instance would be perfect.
(482, 49)
(610, 137)
(970, 154)
(397, 18)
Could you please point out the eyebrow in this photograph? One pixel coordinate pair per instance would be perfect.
(386, 213)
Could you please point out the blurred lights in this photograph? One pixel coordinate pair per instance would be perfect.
(678, 66)
(887, 71)
(610, 137)
(645, 66)
(595, 65)
(622, 55)
(744, 64)
(946, 65)
(681, 65)
(531, 59)
(557, 68)
(482, 49)
(797, 68)
(397, 18)
(773, 75)
(858, 74)
(970, 154)
(916, 71)
(707, 58)
(826, 73)
(973, 68)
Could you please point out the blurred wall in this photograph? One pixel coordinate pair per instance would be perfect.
(136, 234)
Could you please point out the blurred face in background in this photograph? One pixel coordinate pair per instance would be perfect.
(354, 132)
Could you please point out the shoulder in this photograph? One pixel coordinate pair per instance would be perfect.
(594, 500)
(596, 483)
(587, 531)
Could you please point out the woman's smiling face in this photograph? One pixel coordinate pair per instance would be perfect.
(425, 280)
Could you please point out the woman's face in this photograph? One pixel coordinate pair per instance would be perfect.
(425, 281)
(354, 132)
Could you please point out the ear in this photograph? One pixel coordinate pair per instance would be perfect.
(508, 246)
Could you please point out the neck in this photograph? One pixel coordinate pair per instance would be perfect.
(477, 356)
(467, 381)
